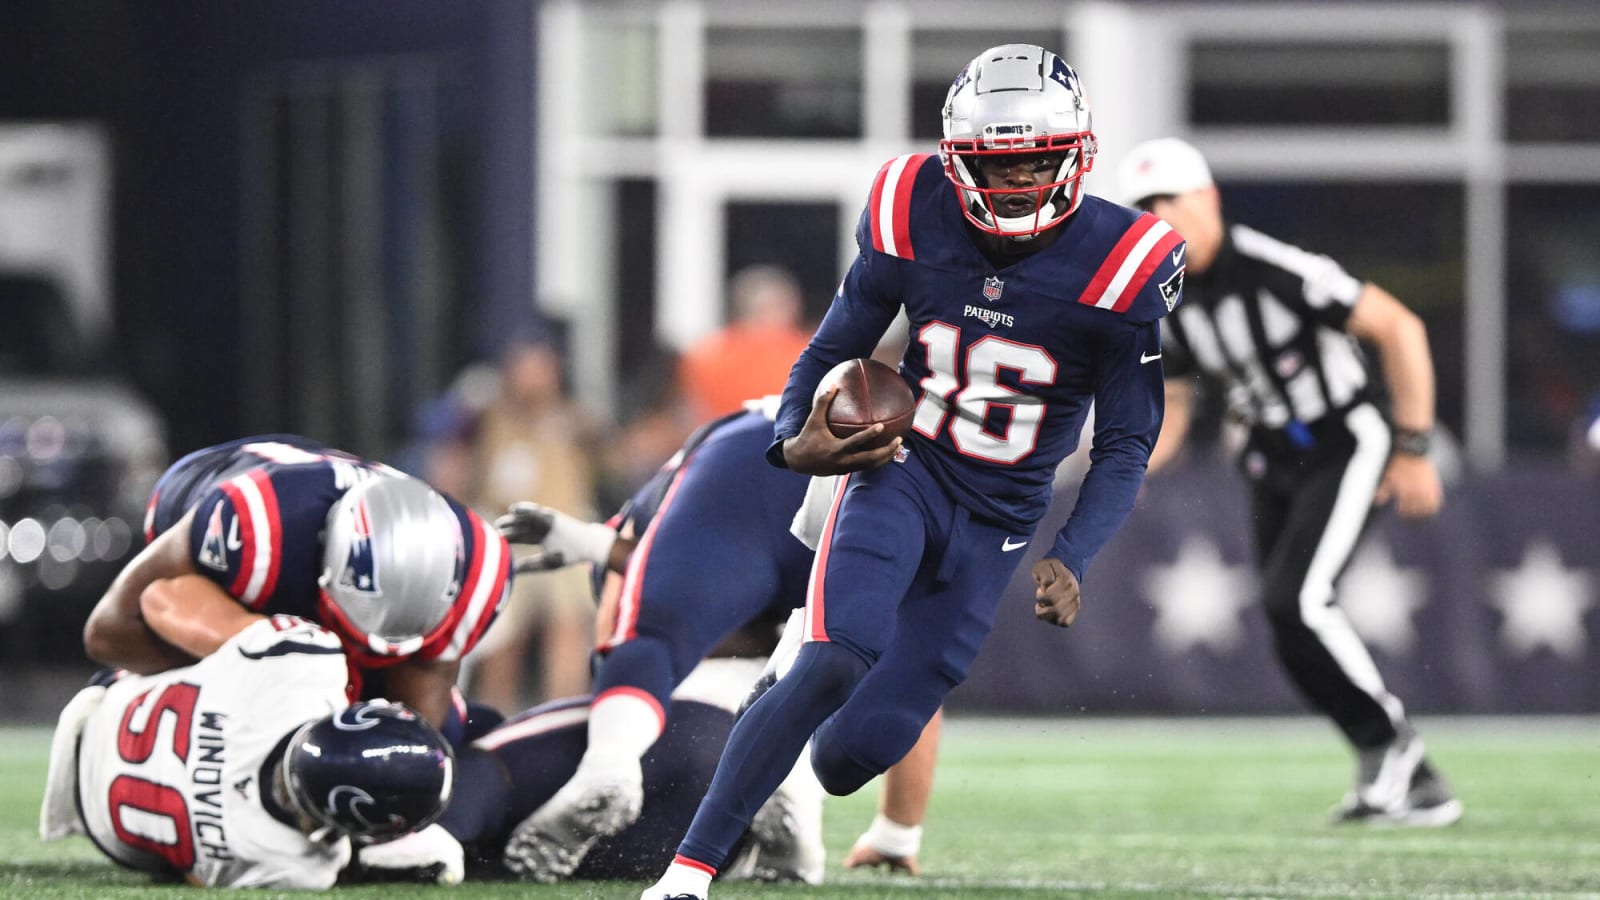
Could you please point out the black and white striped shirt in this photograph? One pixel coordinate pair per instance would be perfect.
(1268, 319)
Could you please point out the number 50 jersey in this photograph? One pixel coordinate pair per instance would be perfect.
(172, 767)
(1005, 360)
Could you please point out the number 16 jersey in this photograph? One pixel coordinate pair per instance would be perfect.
(1006, 360)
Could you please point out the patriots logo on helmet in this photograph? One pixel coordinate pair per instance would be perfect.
(1062, 74)
(360, 566)
(213, 547)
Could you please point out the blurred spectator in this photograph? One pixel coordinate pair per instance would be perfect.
(525, 440)
(751, 356)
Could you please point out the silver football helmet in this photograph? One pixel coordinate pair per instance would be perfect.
(392, 564)
(1017, 100)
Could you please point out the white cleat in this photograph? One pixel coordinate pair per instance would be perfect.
(550, 844)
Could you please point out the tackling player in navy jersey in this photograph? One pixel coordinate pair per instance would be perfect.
(1027, 301)
(408, 578)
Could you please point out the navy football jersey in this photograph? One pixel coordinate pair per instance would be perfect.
(1005, 362)
(261, 505)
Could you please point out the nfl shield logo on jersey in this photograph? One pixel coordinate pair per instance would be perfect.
(360, 569)
(992, 287)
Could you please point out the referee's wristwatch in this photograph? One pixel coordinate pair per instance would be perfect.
(1411, 442)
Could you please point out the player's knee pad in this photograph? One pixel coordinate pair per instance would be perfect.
(852, 747)
(838, 773)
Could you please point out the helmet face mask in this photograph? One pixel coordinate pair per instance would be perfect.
(393, 563)
(1011, 102)
(373, 771)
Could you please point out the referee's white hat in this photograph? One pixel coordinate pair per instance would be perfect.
(1162, 167)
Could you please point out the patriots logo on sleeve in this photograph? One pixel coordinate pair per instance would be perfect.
(213, 548)
(1172, 288)
(360, 567)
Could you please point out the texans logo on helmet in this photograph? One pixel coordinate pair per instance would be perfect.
(367, 715)
(360, 567)
(348, 803)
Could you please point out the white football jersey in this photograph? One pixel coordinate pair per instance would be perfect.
(169, 766)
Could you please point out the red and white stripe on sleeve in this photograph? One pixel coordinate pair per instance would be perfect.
(889, 208)
(255, 505)
(1129, 265)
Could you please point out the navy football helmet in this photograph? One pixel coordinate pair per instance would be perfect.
(372, 771)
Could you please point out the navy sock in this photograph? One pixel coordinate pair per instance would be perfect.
(644, 663)
(764, 745)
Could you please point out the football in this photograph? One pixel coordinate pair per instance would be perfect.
(869, 392)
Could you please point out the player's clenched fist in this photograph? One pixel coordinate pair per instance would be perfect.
(1055, 595)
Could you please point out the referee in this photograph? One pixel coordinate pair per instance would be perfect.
(1278, 327)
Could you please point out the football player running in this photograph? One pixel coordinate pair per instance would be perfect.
(1027, 301)
(407, 578)
(247, 768)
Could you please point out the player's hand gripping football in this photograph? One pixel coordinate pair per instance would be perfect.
(815, 451)
(1056, 595)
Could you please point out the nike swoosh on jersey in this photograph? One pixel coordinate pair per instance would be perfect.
(1146, 357)
(1007, 547)
(1177, 255)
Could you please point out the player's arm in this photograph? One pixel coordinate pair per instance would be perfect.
(424, 685)
(563, 540)
(1402, 342)
(895, 837)
(116, 633)
(1129, 400)
(862, 311)
(192, 614)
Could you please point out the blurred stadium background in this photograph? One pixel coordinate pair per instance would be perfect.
(229, 218)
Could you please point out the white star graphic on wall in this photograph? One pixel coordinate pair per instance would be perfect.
(1198, 598)
(1380, 598)
(1543, 602)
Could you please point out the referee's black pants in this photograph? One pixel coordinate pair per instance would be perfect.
(1309, 513)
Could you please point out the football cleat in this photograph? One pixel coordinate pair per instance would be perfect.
(1396, 785)
(550, 844)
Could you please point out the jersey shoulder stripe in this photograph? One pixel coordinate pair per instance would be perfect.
(889, 207)
(1129, 265)
(255, 504)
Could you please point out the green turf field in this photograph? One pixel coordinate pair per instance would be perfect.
(1148, 808)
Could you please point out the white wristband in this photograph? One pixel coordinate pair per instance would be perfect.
(579, 541)
(890, 838)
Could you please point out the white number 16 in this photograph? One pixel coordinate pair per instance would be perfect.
(983, 390)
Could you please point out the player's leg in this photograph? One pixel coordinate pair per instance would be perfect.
(871, 550)
(700, 571)
(938, 631)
